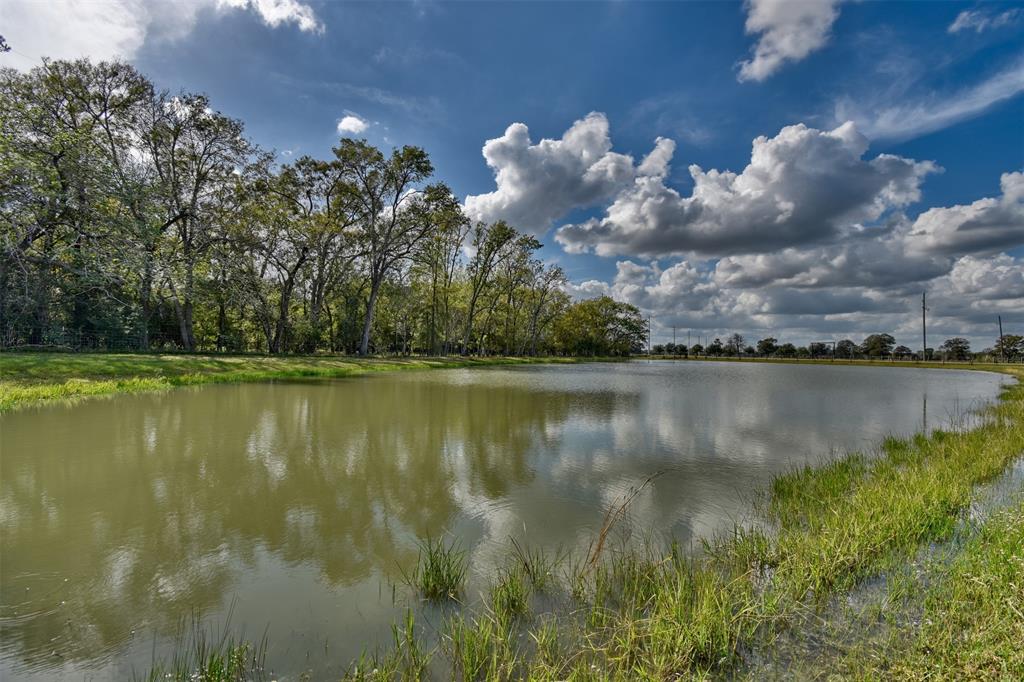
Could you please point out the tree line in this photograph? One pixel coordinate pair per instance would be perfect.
(134, 218)
(875, 346)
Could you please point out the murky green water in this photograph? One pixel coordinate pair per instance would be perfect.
(296, 505)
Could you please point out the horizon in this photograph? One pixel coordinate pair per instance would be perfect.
(796, 170)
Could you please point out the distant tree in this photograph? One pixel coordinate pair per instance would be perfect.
(749, 350)
(681, 349)
(819, 350)
(803, 352)
(716, 348)
(878, 345)
(767, 346)
(902, 352)
(601, 326)
(658, 349)
(696, 349)
(786, 350)
(4, 47)
(846, 349)
(1010, 347)
(956, 348)
(734, 346)
(670, 348)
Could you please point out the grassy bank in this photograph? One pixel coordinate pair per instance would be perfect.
(34, 378)
(654, 612)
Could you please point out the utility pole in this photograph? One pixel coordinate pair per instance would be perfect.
(924, 333)
(1002, 347)
(648, 336)
(673, 335)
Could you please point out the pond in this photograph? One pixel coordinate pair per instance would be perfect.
(291, 509)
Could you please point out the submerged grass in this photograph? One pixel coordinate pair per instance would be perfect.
(203, 656)
(973, 624)
(656, 613)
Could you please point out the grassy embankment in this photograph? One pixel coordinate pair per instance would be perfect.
(34, 378)
(655, 613)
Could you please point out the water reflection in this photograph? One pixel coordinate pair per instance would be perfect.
(120, 516)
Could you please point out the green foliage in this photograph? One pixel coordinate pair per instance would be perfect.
(878, 345)
(137, 220)
(600, 327)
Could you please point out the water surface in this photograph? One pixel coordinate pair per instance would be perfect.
(296, 506)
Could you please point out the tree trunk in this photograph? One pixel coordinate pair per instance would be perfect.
(364, 343)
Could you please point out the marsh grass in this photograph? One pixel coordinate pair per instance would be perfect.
(405, 660)
(481, 648)
(440, 570)
(973, 621)
(510, 596)
(205, 656)
(539, 566)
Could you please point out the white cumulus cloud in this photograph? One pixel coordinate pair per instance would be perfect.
(538, 183)
(351, 124)
(801, 186)
(984, 226)
(789, 30)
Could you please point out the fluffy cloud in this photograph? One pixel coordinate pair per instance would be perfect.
(963, 301)
(789, 31)
(277, 12)
(868, 279)
(996, 278)
(351, 124)
(591, 288)
(108, 29)
(540, 183)
(874, 263)
(980, 20)
(880, 119)
(984, 226)
(801, 186)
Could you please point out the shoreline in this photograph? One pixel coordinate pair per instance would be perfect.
(33, 379)
(36, 378)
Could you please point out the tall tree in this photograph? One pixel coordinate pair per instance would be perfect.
(491, 244)
(196, 152)
(389, 225)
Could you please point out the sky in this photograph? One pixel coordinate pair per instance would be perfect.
(802, 170)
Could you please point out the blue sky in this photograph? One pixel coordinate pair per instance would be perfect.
(824, 237)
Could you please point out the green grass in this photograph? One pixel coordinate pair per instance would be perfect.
(205, 657)
(440, 570)
(973, 623)
(510, 596)
(34, 378)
